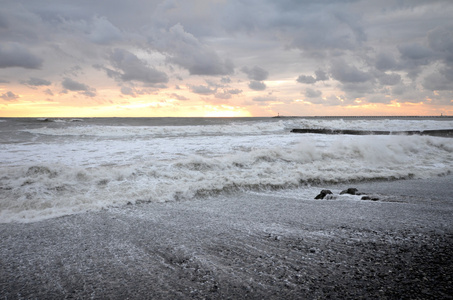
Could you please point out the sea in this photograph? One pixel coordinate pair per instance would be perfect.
(51, 167)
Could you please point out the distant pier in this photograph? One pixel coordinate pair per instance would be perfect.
(435, 132)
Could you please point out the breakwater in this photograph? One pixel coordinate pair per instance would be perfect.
(436, 132)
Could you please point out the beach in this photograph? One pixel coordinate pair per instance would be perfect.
(242, 246)
(172, 149)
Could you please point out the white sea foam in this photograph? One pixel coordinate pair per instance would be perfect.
(42, 180)
(237, 128)
(162, 131)
(65, 168)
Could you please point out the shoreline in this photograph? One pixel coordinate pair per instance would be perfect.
(242, 246)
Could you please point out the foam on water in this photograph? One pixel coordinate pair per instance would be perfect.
(162, 131)
(66, 174)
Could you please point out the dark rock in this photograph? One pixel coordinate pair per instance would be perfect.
(323, 194)
(350, 191)
(369, 198)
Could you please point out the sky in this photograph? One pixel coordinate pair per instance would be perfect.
(225, 58)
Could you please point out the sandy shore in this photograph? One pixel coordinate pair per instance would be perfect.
(244, 246)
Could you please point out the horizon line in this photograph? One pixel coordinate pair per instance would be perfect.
(276, 117)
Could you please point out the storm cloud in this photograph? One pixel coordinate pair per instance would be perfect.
(75, 86)
(333, 53)
(128, 67)
(203, 90)
(185, 50)
(256, 73)
(257, 85)
(16, 55)
(33, 81)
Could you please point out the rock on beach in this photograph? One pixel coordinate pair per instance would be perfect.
(327, 194)
(323, 194)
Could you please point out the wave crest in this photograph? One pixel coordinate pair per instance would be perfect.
(41, 191)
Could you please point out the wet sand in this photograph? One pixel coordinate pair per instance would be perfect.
(242, 246)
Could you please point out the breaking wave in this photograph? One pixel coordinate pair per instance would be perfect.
(162, 131)
(44, 190)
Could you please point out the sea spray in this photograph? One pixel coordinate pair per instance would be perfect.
(58, 171)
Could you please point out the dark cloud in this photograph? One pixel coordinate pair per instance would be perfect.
(256, 73)
(228, 93)
(311, 93)
(75, 71)
(215, 84)
(336, 27)
(320, 76)
(9, 96)
(416, 51)
(442, 98)
(224, 95)
(184, 49)
(178, 97)
(133, 92)
(16, 55)
(203, 90)
(414, 57)
(3, 22)
(389, 79)
(409, 93)
(128, 67)
(441, 40)
(439, 81)
(306, 79)
(72, 85)
(128, 91)
(377, 51)
(331, 101)
(399, 89)
(348, 73)
(385, 62)
(257, 85)
(234, 91)
(225, 80)
(75, 86)
(104, 32)
(33, 81)
(355, 90)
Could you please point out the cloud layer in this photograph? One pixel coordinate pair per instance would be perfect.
(290, 56)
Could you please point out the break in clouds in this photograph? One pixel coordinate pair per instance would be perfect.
(287, 53)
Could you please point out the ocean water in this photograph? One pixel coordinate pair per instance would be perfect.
(55, 167)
